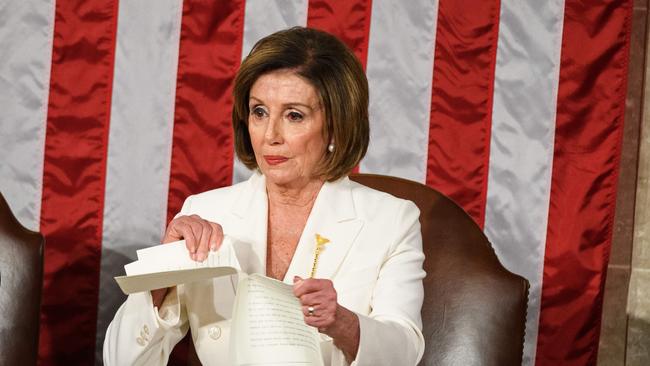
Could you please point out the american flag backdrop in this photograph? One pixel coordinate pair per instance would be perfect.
(112, 112)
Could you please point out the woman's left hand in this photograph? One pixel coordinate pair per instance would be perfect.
(319, 296)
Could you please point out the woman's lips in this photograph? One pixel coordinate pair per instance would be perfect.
(275, 159)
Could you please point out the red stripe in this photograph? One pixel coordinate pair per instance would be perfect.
(209, 56)
(589, 127)
(73, 177)
(202, 152)
(348, 20)
(461, 102)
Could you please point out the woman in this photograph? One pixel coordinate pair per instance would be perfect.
(300, 119)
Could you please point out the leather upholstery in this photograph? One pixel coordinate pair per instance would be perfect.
(474, 310)
(21, 277)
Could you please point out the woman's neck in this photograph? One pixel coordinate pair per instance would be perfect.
(297, 195)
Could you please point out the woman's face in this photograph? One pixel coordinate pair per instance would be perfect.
(286, 127)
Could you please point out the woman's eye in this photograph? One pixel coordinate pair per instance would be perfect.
(258, 112)
(294, 116)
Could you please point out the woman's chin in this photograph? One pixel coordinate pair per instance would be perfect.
(278, 177)
(284, 178)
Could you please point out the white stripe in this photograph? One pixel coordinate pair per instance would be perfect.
(521, 148)
(26, 34)
(262, 18)
(400, 69)
(140, 140)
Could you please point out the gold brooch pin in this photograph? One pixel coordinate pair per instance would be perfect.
(320, 243)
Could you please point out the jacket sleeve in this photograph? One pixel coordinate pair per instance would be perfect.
(391, 334)
(141, 334)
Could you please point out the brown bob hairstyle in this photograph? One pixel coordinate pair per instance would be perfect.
(335, 73)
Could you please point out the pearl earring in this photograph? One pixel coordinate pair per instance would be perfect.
(330, 147)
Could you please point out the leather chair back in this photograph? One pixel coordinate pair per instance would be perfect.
(21, 278)
(474, 310)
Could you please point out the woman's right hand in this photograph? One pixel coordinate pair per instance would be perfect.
(200, 236)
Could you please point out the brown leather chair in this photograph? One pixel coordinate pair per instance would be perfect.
(474, 310)
(21, 278)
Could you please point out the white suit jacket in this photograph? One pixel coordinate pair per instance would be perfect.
(374, 259)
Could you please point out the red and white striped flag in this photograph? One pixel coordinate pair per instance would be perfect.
(111, 112)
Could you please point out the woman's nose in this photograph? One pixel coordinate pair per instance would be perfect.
(273, 134)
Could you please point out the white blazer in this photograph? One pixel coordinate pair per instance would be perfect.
(374, 259)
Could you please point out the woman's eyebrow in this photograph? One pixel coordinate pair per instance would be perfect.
(299, 104)
(256, 99)
(285, 105)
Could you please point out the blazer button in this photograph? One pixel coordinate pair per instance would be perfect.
(140, 341)
(214, 332)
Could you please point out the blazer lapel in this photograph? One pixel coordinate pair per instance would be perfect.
(333, 217)
(250, 209)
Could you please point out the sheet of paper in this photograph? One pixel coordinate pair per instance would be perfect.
(268, 327)
(169, 264)
(175, 256)
(152, 281)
